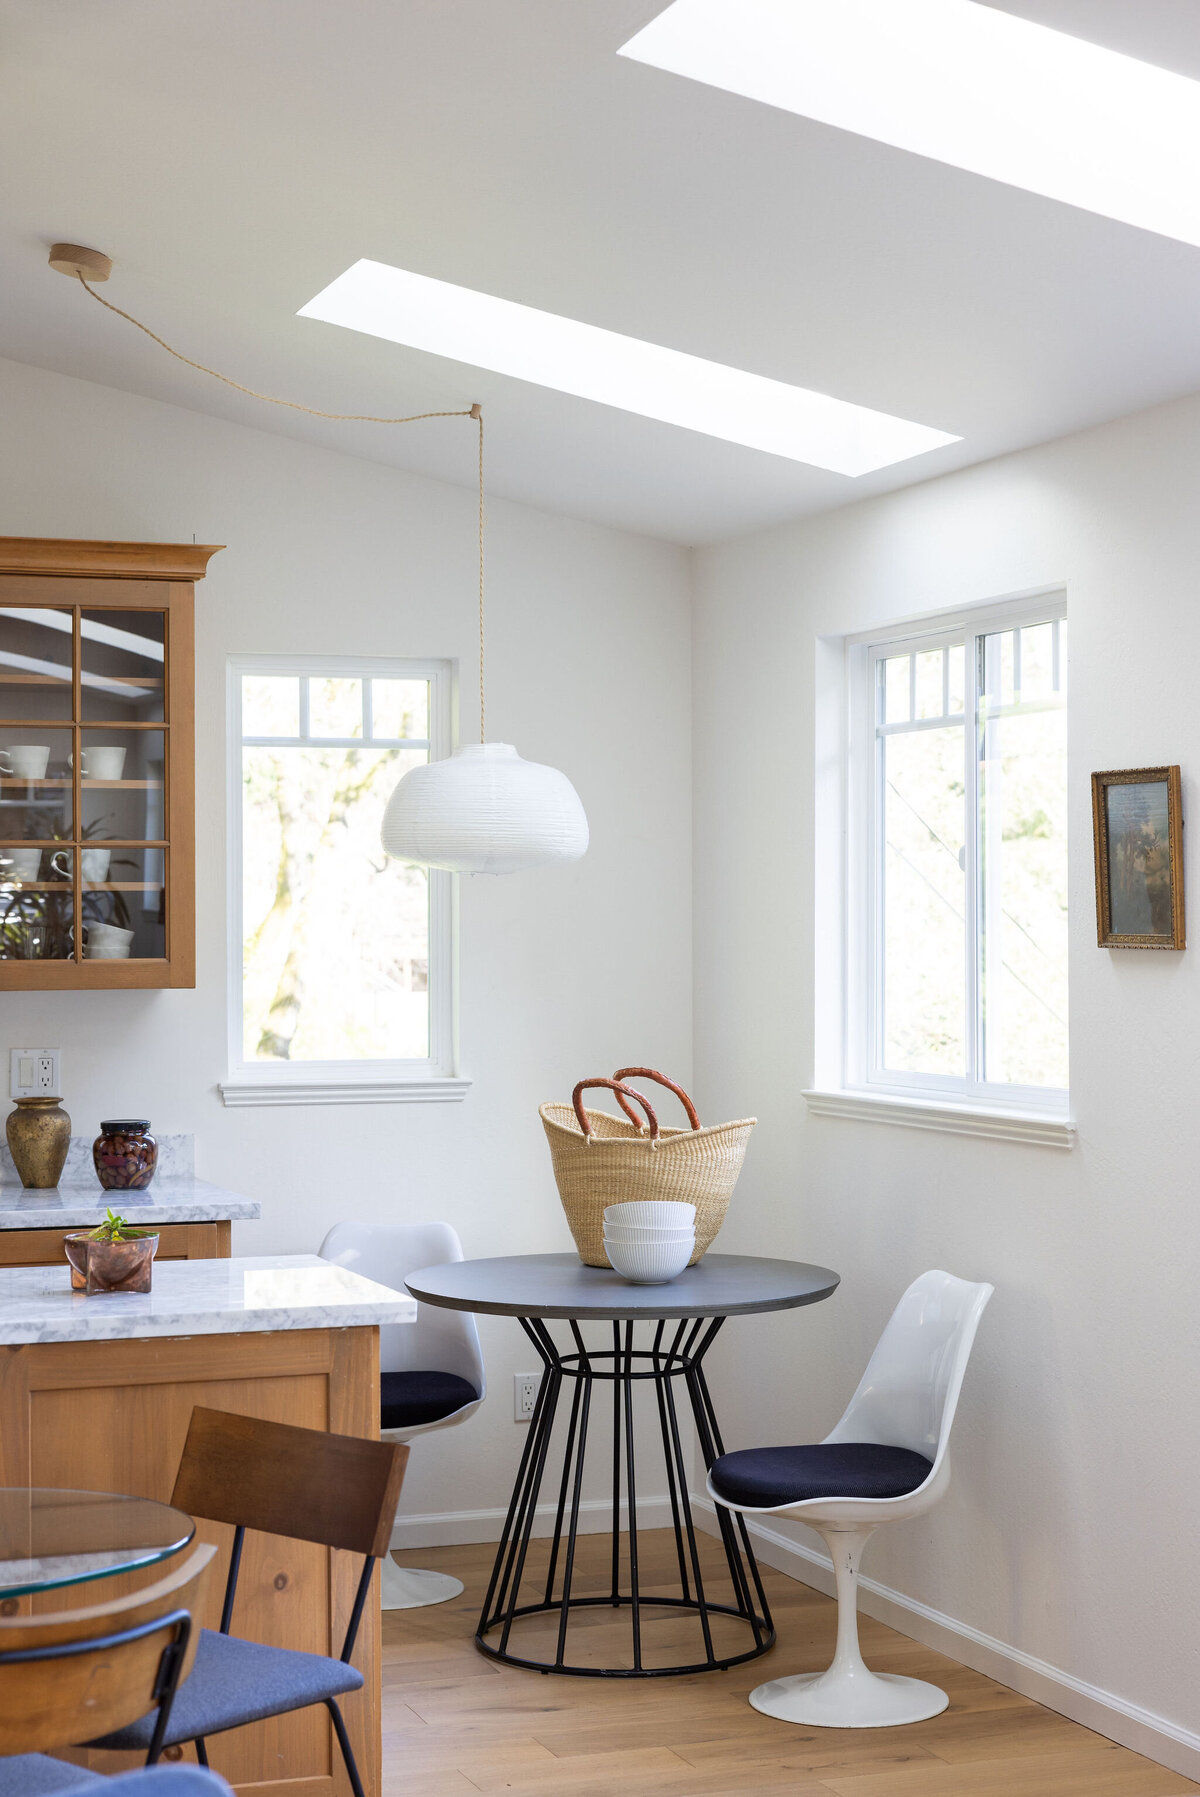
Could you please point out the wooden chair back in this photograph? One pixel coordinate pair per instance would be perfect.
(338, 1490)
(72, 1691)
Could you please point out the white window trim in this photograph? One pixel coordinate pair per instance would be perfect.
(436, 1079)
(845, 1085)
(954, 1119)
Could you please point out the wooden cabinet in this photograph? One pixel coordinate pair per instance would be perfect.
(97, 775)
(176, 1241)
(112, 1416)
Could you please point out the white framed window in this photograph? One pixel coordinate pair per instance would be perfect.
(341, 962)
(955, 983)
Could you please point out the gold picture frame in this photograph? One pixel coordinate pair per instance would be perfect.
(1137, 831)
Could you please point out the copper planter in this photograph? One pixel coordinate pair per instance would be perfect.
(109, 1266)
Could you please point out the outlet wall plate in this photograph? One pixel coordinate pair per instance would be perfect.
(35, 1073)
(525, 1391)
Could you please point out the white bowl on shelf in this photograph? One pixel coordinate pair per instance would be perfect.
(649, 1263)
(662, 1211)
(633, 1233)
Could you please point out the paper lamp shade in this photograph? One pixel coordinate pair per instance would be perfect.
(484, 811)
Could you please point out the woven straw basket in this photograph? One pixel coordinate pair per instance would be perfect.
(600, 1160)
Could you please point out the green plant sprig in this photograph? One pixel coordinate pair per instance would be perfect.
(115, 1229)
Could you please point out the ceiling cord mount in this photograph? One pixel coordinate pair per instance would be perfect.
(86, 265)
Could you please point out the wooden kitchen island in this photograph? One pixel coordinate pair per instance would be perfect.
(96, 1394)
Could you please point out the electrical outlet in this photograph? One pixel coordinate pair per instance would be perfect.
(36, 1073)
(525, 1390)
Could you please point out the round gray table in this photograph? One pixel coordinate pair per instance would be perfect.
(679, 1322)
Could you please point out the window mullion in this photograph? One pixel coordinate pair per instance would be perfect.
(974, 969)
(879, 885)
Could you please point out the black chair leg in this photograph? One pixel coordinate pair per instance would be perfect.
(201, 1750)
(347, 1750)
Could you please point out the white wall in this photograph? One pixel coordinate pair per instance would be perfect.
(1070, 1530)
(564, 973)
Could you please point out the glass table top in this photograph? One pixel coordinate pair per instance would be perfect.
(51, 1538)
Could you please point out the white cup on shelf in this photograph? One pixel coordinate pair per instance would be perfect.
(93, 864)
(25, 761)
(20, 864)
(101, 763)
(105, 942)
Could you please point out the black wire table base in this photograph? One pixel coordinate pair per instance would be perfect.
(662, 1363)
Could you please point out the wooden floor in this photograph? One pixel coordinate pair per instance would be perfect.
(455, 1723)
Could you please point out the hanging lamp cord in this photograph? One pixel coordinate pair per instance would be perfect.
(475, 412)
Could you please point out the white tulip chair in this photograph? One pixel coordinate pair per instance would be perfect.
(431, 1371)
(887, 1459)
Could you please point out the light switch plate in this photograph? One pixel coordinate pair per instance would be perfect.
(36, 1073)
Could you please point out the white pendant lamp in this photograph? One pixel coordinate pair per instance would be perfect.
(483, 810)
(480, 811)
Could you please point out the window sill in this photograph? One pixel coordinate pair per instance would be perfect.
(1036, 1127)
(419, 1089)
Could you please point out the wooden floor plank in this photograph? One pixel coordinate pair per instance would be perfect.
(820, 1753)
(459, 1725)
(1102, 1770)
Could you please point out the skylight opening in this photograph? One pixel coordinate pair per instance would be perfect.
(963, 84)
(614, 370)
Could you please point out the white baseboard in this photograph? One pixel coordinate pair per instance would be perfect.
(1130, 1724)
(456, 1528)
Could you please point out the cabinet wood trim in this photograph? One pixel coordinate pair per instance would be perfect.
(81, 555)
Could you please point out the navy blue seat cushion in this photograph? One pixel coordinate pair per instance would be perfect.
(235, 1681)
(762, 1477)
(406, 1399)
(36, 1775)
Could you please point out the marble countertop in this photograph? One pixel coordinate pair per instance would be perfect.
(175, 1195)
(76, 1203)
(197, 1297)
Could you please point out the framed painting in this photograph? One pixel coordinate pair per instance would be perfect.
(1137, 821)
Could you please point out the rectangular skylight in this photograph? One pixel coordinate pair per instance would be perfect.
(960, 83)
(614, 370)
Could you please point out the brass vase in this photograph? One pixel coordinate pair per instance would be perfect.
(39, 1135)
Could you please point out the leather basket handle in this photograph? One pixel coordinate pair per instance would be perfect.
(623, 1093)
(649, 1073)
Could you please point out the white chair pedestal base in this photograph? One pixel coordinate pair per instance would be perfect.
(841, 1699)
(848, 1694)
(412, 1588)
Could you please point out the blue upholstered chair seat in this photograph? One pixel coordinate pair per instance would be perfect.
(407, 1399)
(167, 1781)
(764, 1477)
(235, 1681)
(36, 1775)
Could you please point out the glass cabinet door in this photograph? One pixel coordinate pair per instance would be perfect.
(85, 824)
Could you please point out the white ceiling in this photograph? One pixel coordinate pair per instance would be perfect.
(233, 156)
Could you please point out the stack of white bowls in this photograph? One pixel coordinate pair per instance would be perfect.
(650, 1241)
